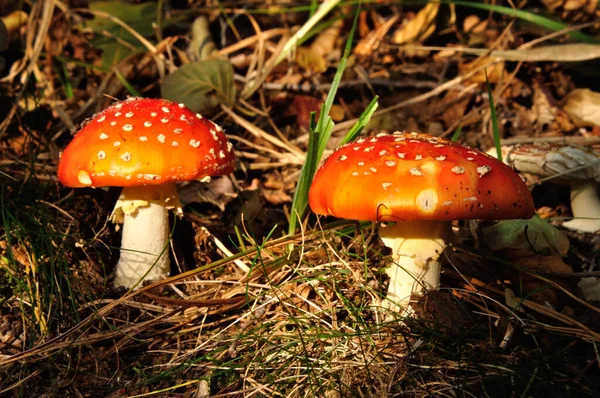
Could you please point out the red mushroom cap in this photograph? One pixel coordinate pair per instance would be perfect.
(412, 176)
(145, 142)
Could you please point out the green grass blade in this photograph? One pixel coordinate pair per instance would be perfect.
(526, 16)
(494, 117)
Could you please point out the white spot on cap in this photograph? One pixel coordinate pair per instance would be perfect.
(374, 139)
(356, 148)
(214, 135)
(196, 144)
(230, 146)
(373, 169)
(458, 170)
(361, 163)
(483, 170)
(175, 143)
(416, 172)
(181, 105)
(165, 109)
(128, 127)
(103, 136)
(117, 114)
(117, 143)
(183, 118)
(360, 140)
(126, 157)
(385, 185)
(427, 200)
(401, 155)
(440, 158)
(343, 157)
(129, 114)
(470, 199)
(446, 203)
(84, 178)
(178, 131)
(390, 163)
(101, 118)
(147, 124)
(161, 138)
(199, 116)
(369, 148)
(118, 106)
(113, 123)
(153, 114)
(143, 138)
(101, 155)
(439, 146)
(148, 176)
(164, 120)
(221, 154)
(418, 157)
(355, 173)
(382, 152)
(470, 159)
(211, 151)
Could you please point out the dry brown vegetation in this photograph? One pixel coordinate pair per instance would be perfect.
(252, 310)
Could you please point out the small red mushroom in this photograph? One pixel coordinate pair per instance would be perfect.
(144, 146)
(421, 183)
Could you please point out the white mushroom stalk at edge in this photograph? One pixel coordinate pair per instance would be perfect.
(144, 146)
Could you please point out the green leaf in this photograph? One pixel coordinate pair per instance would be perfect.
(201, 86)
(535, 234)
(115, 42)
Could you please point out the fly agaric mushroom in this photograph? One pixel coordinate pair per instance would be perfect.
(144, 146)
(421, 183)
(577, 167)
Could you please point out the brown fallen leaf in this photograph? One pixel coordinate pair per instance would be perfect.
(420, 27)
(314, 58)
(495, 71)
(583, 106)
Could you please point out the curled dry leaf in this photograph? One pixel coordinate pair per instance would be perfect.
(583, 106)
(314, 58)
(419, 28)
(495, 70)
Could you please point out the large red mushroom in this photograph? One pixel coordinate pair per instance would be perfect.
(419, 184)
(144, 146)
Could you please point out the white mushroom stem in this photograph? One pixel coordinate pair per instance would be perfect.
(416, 247)
(144, 212)
(585, 206)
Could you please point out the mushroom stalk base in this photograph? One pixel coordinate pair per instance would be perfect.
(416, 247)
(145, 242)
(585, 206)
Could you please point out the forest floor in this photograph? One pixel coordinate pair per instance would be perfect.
(255, 307)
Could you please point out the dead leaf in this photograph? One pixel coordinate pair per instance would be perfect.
(420, 27)
(314, 58)
(218, 191)
(274, 190)
(546, 114)
(494, 71)
(583, 106)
